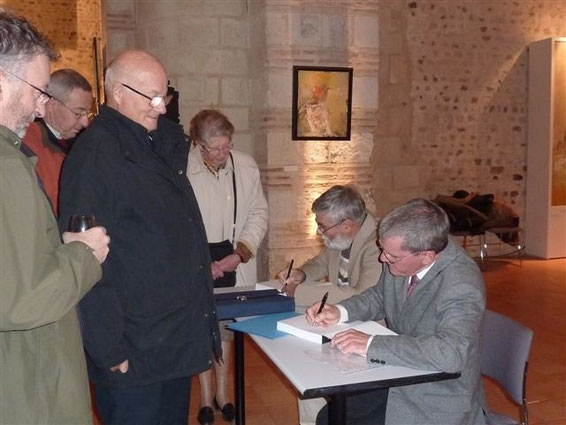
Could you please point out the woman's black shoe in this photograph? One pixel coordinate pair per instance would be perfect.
(228, 411)
(205, 415)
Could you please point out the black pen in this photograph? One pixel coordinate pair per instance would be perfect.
(289, 271)
(322, 303)
(288, 275)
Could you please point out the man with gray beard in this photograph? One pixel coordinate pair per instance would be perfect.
(43, 274)
(349, 259)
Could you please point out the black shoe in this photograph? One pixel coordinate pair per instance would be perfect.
(228, 411)
(205, 415)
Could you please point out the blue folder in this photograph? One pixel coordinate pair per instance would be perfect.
(264, 325)
(251, 303)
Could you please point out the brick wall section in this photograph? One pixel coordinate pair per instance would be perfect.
(70, 24)
(455, 73)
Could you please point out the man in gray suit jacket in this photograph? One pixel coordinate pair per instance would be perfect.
(432, 294)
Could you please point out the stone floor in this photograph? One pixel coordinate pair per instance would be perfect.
(534, 294)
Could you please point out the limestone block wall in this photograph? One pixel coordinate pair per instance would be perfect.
(326, 33)
(440, 93)
(204, 44)
(237, 55)
(70, 24)
(453, 104)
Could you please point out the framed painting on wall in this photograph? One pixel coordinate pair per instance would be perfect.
(322, 103)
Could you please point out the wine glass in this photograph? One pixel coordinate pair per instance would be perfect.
(81, 222)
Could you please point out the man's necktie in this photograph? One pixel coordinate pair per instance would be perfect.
(412, 283)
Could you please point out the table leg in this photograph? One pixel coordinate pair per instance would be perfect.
(337, 409)
(240, 397)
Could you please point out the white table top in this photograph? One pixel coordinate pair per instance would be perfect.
(306, 373)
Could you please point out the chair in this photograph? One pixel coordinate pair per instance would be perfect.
(504, 358)
(481, 244)
(510, 236)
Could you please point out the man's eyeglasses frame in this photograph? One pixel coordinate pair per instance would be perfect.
(43, 95)
(78, 115)
(154, 101)
(392, 259)
(323, 230)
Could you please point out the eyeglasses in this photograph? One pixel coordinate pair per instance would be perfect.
(393, 259)
(43, 96)
(154, 101)
(221, 149)
(78, 115)
(323, 230)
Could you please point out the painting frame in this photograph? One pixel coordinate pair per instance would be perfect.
(322, 103)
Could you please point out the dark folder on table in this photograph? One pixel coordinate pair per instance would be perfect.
(246, 301)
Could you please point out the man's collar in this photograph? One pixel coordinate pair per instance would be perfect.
(136, 127)
(10, 136)
(424, 271)
(52, 130)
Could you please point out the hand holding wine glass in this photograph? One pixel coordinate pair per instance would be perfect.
(81, 222)
(83, 228)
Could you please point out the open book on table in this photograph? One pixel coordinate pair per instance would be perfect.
(299, 327)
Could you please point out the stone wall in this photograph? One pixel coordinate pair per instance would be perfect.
(440, 93)
(453, 101)
(70, 24)
(329, 33)
(204, 45)
(237, 55)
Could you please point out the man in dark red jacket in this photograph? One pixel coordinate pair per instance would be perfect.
(66, 114)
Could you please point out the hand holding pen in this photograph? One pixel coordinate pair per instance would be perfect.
(288, 275)
(322, 303)
(321, 313)
(290, 278)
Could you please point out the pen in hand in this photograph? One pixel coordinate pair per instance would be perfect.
(322, 303)
(288, 275)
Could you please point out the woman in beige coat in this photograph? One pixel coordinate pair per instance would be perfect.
(234, 211)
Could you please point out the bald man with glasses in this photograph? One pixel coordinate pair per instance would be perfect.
(154, 324)
(432, 294)
(67, 112)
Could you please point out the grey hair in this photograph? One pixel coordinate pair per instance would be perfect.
(20, 42)
(64, 81)
(341, 203)
(422, 224)
(210, 123)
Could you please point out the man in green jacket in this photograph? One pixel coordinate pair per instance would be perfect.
(42, 367)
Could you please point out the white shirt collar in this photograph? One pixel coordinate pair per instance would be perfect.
(55, 132)
(422, 273)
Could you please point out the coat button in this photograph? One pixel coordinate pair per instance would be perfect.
(180, 172)
(205, 314)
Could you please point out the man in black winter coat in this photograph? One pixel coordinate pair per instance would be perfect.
(151, 324)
